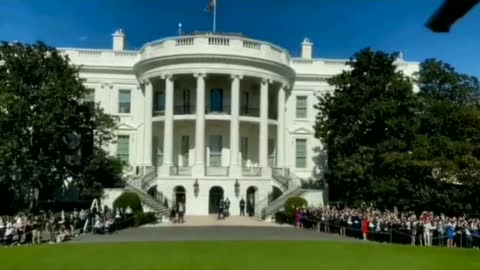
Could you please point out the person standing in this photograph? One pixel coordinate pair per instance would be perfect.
(227, 207)
(242, 207)
(221, 209)
(181, 212)
(365, 227)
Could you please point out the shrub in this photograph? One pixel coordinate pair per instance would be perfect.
(145, 218)
(293, 203)
(282, 217)
(128, 199)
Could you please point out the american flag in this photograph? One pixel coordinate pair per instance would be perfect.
(210, 6)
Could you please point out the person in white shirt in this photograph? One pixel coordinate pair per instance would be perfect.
(428, 232)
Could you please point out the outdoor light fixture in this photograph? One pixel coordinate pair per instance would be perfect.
(237, 188)
(196, 187)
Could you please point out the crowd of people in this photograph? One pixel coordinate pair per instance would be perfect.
(27, 229)
(426, 229)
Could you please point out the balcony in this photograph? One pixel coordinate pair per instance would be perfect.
(216, 171)
(217, 109)
(251, 171)
(180, 171)
(184, 109)
(249, 111)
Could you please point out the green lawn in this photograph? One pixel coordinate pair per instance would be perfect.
(237, 255)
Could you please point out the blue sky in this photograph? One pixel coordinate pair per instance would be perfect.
(338, 28)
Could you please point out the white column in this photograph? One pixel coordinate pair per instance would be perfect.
(147, 150)
(281, 127)
(168, 127)
(235, 127)
(199, 163)
(263, 137)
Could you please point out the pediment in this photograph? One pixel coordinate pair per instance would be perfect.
(302, 131)
(125, 126)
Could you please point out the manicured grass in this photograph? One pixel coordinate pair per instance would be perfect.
(237, 255)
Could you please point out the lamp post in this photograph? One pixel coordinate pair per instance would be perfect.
(196, 188)
(237, 188)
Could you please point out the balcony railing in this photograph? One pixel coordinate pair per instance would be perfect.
(249, 111)
(251, 171)
(180, 171)
(184, 109)
(158, 112)
(217, 110)
(216, 171)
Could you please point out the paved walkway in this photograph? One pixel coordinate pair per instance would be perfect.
(202, 221)
(222, 233)
(211, 229)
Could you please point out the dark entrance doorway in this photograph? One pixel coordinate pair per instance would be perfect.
(180, 196)
(215, 196)
(251, 198)
(276, 193)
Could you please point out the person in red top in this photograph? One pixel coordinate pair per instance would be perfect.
(365, 227)
(298, 217)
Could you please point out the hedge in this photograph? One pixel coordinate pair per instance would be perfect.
(128, 199)
(293, 203)
(144, 218)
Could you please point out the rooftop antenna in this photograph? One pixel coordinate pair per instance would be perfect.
(179, 29)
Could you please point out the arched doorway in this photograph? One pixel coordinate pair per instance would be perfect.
(179, 196)
(215, 196)
(251, 199)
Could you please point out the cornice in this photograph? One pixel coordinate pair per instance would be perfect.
(151, 63)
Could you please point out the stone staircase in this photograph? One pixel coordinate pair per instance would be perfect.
(291, 182)
(148, 200)
(139, 185)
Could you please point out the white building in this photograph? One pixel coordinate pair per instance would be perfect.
(210, 116)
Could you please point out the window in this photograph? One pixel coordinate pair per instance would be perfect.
(186, 101)
(245, 103)
(216, 100)
(124, 97)
(185, 150)
(123, 147)
(244, 148)
(89, 95)
(271, 152)
(301, 153)
(159, 101)
(158, 153)
(215, 151)
(301, 107)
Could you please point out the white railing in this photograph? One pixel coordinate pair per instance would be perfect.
(180, 171)
(200, 43)
(89, 53)
(125, 54)
(216, 171)
(251, 171)
(302, 61)
(335, 62)
(251, 44)
(220, 41)
(184, 42)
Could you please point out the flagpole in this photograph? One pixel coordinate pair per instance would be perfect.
(214, 15)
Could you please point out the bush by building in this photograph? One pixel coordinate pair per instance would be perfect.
(128, 199)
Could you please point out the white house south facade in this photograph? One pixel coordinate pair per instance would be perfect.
(210, 116)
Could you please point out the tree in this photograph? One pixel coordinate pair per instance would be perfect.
(49, 134)
(367, 126)
(448, 142)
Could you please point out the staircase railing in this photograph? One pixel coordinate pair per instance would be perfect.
(147, 199)
(148, 178)
(281, 175)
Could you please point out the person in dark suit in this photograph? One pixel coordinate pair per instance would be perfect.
(242, 207)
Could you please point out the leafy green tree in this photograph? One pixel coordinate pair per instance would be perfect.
(448, 142)
(367, 126)
(49, 133)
